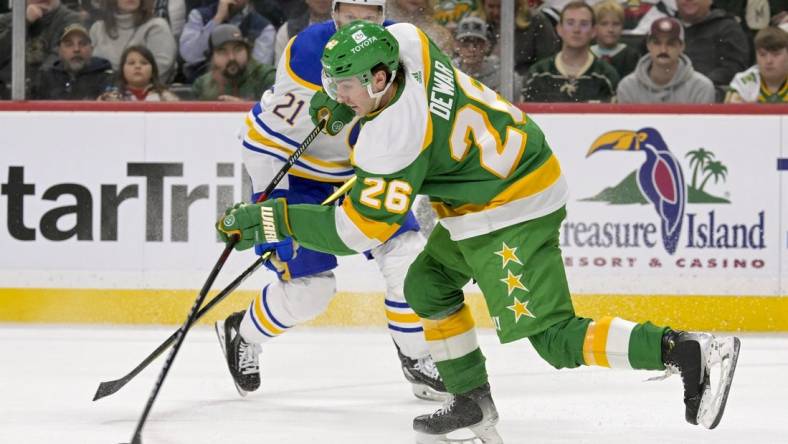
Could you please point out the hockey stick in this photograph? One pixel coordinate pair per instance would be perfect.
(190, 319)
(292, 160)
(180, 335)
(107, 388)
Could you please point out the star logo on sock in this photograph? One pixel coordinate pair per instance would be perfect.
(520, 309)
(508, 254)
(512, 281)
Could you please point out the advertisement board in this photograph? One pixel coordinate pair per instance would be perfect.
(666, 205)
(662, 206)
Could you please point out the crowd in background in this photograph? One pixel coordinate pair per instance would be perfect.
(629, 51)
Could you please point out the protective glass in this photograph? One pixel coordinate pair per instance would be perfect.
(341, 85)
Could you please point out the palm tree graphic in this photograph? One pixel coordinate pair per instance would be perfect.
(698, 160)
(713, 169)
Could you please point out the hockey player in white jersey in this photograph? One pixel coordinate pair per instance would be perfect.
(306, 284)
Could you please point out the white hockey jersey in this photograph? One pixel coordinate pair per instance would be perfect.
(277, 125)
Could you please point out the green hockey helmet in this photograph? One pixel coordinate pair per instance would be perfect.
(353, 51)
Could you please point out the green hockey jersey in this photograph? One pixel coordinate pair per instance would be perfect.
(484, 164)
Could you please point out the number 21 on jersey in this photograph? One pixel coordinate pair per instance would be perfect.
(472, 124)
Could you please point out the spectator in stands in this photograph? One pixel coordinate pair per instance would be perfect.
(754, 15)
(77, 75)
(534, 35)
(448, 13)
(138, 79)
(233, 74)
(609, 24)
(421, 13)
(473, 54)
(779, 16)
(46, 20)
(202, 21)
(715, 42)
(317, 11)
(278, 11)
(127, 23)
(767, 81)
(665, 74)
(174, 11)
(574, 74)
(638, 15)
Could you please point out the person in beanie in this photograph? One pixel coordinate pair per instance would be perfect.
(665, 74)
(233, 74)
(473, 54)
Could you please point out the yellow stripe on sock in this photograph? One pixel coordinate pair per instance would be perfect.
(595, 343)
(405, 318)
(454, 325)
(258, 311)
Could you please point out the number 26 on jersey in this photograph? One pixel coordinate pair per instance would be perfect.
(394, 195)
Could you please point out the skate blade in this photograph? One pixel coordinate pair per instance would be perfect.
(724, 356)
(484, 434)
(219, 327)
(427, 393)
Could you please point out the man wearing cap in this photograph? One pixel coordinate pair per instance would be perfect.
(256, 29)
(473, 54)
(233, 75)
(76, 75)
(715, 41)
(665, 74)
(46, 20)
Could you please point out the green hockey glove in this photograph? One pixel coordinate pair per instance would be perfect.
(255, 223)
(337, 114)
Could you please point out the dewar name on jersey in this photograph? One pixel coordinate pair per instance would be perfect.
(443, 84)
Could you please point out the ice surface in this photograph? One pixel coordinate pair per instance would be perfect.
(345, 386)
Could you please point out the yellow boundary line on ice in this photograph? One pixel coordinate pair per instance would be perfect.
(58, 305)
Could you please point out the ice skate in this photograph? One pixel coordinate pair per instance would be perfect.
(242, 357)
(706, 365)
(424, 378)
(474, 411)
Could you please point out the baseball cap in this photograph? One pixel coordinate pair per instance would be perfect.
(471, 26)
(668, 27)
(224, 33)
(74, 27)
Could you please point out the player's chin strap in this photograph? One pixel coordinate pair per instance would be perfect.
(378, 96)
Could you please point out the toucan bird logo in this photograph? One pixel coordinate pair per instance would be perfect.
(660, 178)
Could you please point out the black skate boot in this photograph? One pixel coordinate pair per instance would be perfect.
(242, 357)
(696, 356)
(424, 377)
(473, 410)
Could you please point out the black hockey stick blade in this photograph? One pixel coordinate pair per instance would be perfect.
(107, 388)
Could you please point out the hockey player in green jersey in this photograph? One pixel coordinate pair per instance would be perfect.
(498, 189)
